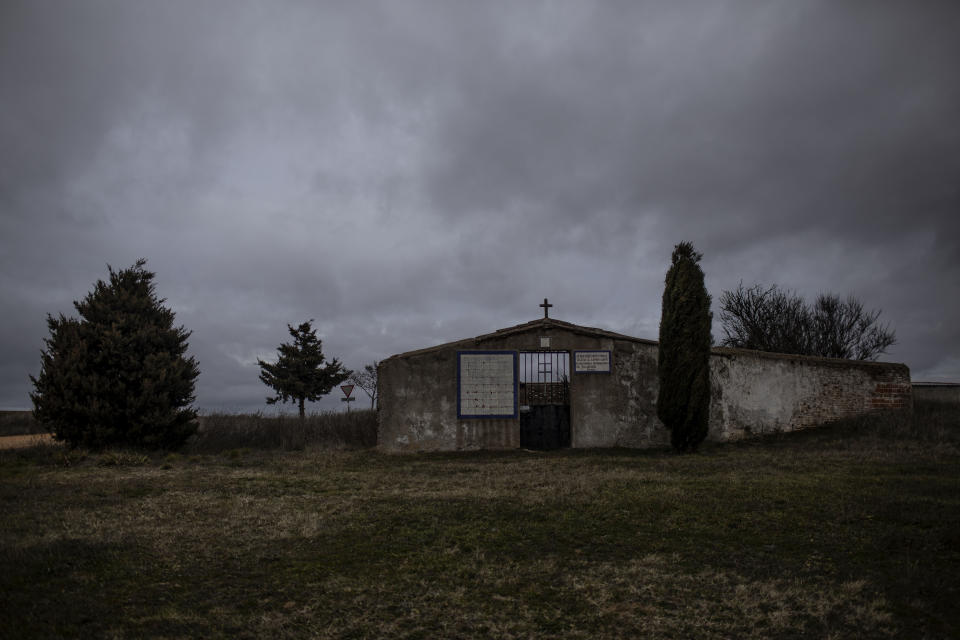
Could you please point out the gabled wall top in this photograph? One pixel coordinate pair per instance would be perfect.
(527, 327)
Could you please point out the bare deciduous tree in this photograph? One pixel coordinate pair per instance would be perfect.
(367, 380)
(770, 319)
(844, 329)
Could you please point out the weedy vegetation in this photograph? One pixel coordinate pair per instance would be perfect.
(225, 431)
(16, 423)
(851, 530)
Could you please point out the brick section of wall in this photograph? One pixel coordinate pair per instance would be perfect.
(892, 395)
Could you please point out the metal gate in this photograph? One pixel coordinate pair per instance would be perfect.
(544, 399)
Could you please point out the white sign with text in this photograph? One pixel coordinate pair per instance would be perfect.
(486, 384)
(591, 362)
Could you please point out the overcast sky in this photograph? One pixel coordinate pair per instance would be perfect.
(409, 173)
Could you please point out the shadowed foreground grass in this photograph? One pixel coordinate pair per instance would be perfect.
(848, 531)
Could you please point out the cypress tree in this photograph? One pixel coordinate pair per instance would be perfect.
(117, 375)
(683, 400)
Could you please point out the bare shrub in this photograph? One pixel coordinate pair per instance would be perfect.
(220, 432)
(16, 423)
(782, 322)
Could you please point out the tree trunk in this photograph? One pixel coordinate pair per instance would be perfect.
(301, 408)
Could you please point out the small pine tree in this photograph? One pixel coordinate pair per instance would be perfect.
(117, 374)
(683, 400)
(299, 373)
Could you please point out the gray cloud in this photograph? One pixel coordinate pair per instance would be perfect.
(410, 173)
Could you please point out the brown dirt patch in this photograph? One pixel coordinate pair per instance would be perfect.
(29, 440)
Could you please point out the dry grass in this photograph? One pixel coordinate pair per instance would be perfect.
(18, 442)
(846, 532)
(220, 432)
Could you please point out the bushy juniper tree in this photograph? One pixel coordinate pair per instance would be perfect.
(118, 373)
(683, 400)
(300, 373)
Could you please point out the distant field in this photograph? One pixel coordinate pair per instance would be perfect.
(844, 532)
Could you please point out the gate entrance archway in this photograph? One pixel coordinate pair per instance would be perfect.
(544, 399)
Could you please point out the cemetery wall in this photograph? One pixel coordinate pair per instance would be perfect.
(753, 393)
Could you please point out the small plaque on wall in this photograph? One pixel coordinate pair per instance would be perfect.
(592, 361)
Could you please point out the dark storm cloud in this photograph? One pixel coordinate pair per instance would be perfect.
(408, 173)
(776, 120)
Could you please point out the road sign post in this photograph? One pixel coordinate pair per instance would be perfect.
(347, 390)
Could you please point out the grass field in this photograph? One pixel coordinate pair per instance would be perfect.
(848, 531)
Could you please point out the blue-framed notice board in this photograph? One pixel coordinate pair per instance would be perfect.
(487, 384)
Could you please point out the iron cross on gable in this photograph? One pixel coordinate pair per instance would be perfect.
(546, 308)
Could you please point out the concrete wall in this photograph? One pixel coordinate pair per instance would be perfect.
(618, 409)
(755, 393)
(937, 392)
(752, 393)
(417, 399)
(418, 395)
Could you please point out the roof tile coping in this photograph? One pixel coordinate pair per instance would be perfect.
(732, 352)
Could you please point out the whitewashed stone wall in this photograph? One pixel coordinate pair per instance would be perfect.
(756, 393)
